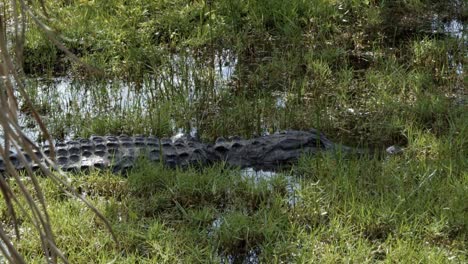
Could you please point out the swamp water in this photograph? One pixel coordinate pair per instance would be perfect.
(63, 100)
(67, 100)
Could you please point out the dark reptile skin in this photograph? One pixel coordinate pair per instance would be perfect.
(119, 153)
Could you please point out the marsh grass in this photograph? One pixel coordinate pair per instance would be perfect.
(366, 73)
(343, 67)
(399, 209)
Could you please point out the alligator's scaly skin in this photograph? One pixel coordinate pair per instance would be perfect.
(272, 151)
(119, 153)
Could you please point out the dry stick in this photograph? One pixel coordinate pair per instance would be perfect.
(7, 195)
(33, 219)
(69, 189)
(10, 116)
(41, 218)
(48, 236)
(26, 144)
(43, 236)
(36, 215)
(21, 208)
(9, 134)
(19, 35)
(4, 68)
(9, 69)
(43, 8)
(10, 253)
(6, 192)
(37, 188)
(6, 122)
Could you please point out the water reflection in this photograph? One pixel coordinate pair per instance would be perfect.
(453, 27)
(250, 258)
(61, 101)
(292, 186)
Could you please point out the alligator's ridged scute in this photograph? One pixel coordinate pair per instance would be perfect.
(119, 153)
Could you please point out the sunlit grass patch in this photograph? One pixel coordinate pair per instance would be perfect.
(366, 74)
(398, 208)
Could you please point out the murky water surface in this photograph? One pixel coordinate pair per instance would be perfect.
(63, 100)
(249, 174)
(60, 97)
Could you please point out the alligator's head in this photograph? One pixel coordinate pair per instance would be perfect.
(272, 151)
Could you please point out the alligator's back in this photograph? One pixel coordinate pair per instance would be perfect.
(120, 152)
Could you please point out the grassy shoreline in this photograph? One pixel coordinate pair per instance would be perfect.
(366, 73)
(402, 209)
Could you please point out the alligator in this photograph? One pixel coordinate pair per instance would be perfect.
(119, 153)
